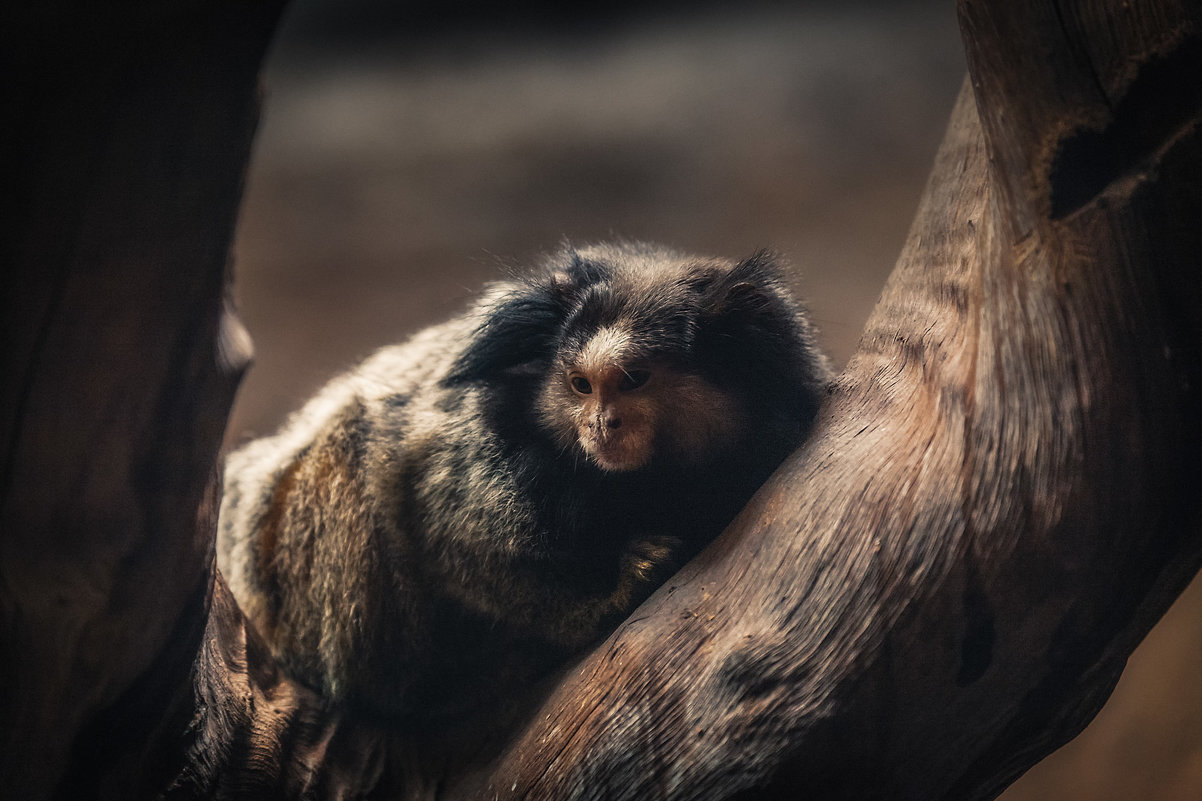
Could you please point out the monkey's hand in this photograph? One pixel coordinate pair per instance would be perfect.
(651, 560)
(646, 563)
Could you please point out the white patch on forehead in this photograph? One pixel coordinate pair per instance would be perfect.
(610, 346)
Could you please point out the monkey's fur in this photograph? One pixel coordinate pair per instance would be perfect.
(462, 511)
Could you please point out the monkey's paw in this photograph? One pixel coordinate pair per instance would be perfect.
(653, 559)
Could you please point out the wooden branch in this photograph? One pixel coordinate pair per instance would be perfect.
(131, 129)
(939, 588)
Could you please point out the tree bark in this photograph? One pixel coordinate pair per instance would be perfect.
(130, 130)
(938, 589)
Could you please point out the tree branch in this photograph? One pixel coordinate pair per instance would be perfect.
(134, 125)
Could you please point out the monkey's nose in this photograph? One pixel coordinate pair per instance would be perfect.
(605, 422)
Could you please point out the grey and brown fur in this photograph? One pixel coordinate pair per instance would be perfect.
(462, 511)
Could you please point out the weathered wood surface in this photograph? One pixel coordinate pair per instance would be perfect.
(128, 129)
(939, 588)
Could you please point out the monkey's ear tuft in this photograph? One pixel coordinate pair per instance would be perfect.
(525, 326)
(522, 328)
(749, 321)
(753, 287)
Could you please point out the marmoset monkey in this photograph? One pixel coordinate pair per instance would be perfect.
(460, 512)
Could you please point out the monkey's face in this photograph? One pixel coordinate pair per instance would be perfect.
(615, 417)
(622, 410)
(602, 398)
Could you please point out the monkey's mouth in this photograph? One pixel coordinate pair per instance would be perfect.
(616, 453)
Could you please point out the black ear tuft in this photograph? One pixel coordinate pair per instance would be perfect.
(749, 301)
(751, 326)
(521, 329)
(525, 326)
(755, 336)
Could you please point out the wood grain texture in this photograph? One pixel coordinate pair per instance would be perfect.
(132, 125)
(940, 587)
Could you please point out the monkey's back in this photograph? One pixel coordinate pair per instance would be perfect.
(388, 544)
(309, 536)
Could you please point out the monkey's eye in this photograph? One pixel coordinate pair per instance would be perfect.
(633, 379)
(580, 384)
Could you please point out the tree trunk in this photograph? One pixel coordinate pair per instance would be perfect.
(129, 134)
(938, 589)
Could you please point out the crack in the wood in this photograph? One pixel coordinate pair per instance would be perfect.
(1164, 99)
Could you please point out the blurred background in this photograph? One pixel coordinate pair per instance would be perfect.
(411, 152)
